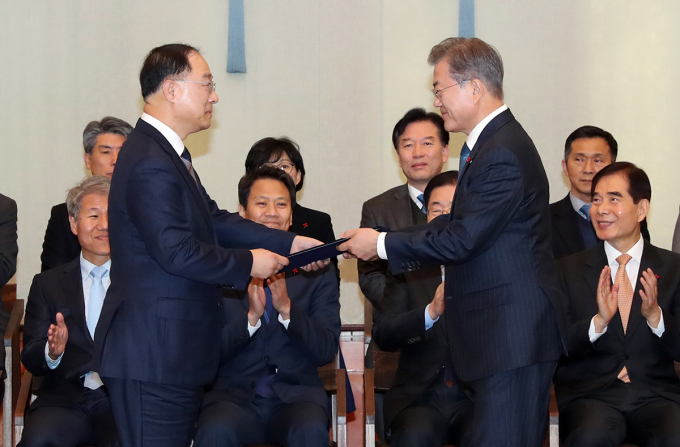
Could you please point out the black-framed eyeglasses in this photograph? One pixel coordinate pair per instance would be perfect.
(211, 85)
(436, 91)
(286, 166)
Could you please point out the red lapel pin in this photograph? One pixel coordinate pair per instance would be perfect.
(468, 160)
(305, 225)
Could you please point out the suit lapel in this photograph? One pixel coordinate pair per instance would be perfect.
(401, 209)
(75, 300)
(650, 259)
(193, 186)
(567, 225)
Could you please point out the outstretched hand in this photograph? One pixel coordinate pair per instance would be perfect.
(301, 243)
(57, 337)
(363, 244)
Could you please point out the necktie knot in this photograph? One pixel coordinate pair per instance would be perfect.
(585, 211)
(623, 260)
(421, 199)
(186, 155)
(98, 272)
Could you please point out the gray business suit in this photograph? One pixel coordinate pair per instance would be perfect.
(392, 210)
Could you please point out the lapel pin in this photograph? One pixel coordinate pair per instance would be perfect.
(468, 160)
(305, 225)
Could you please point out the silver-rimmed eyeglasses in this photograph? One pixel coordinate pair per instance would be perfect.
(437, 91)
(211, 85)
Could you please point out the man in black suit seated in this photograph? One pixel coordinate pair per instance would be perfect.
(619, 382)
(275, 336)
(424, 407)
(102, 141)
(587, 150)
(422, 145)
(72, 407)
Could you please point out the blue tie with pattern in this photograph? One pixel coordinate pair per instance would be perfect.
(585, 211)
(421, 199)
(96, 299)
(464, 154)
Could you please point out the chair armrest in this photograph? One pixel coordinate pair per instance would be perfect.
(369, 396)
(24, 399)
(341, 395)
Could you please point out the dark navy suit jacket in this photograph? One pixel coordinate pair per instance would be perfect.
(502, 304)
(171, 251)
(310, 341)
(57, 290)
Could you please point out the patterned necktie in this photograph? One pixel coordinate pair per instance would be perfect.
(421, 199)
(186, 159)
(464, 154)
(625, 301)
(585, 211)
(96, 300)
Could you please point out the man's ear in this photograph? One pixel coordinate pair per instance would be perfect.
(86, 157)
(241, 211)
(642, 209)
(74, 224)
(564, 168)
(169, 88)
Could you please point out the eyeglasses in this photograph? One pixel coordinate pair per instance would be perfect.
(439, 211)
(211, 85)
(437, 92)
(286, 166)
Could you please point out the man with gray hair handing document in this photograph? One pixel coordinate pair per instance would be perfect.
(172, 248)
(503, 323)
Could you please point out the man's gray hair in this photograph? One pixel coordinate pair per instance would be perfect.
(97, 184)
(108, 124)
(471, 58)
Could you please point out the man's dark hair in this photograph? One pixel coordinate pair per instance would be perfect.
(108, 124)
(471, 58)
(639, 186)
(591, 132)
(266, 172)
(270, 150)
(439, 180)
(415, 116)
(162, 62)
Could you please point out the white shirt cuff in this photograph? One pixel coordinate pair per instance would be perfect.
(253, 329)
(429, 322)
(662, 327)
(285, 323)
(52, 364)
(382, 253)
(591, 331)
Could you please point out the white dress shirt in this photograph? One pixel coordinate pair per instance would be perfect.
(91, 379)
(633, 272)
(413, 193)
(169, 134)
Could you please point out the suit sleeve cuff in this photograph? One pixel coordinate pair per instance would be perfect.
(253, 329)
(429, 322)
(662, 327)
(52, 364)
(382, 252)
(592, 335)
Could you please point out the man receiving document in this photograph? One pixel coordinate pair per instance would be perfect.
(501, 306)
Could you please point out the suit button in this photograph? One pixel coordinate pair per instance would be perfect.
(231, 286)
(266, 359)
(219, 304)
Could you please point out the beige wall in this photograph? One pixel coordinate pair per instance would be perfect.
(335, 76)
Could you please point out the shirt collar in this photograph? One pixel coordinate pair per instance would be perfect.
(169, 134)
(414, 193)
(477, 131)
(86, 267)
(635, 251)
(576, 202)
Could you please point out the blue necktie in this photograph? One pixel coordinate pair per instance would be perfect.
(464, 154)
(421, 199)
(268, 305)
(186, 159)
(96, 300)
(585, 211)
